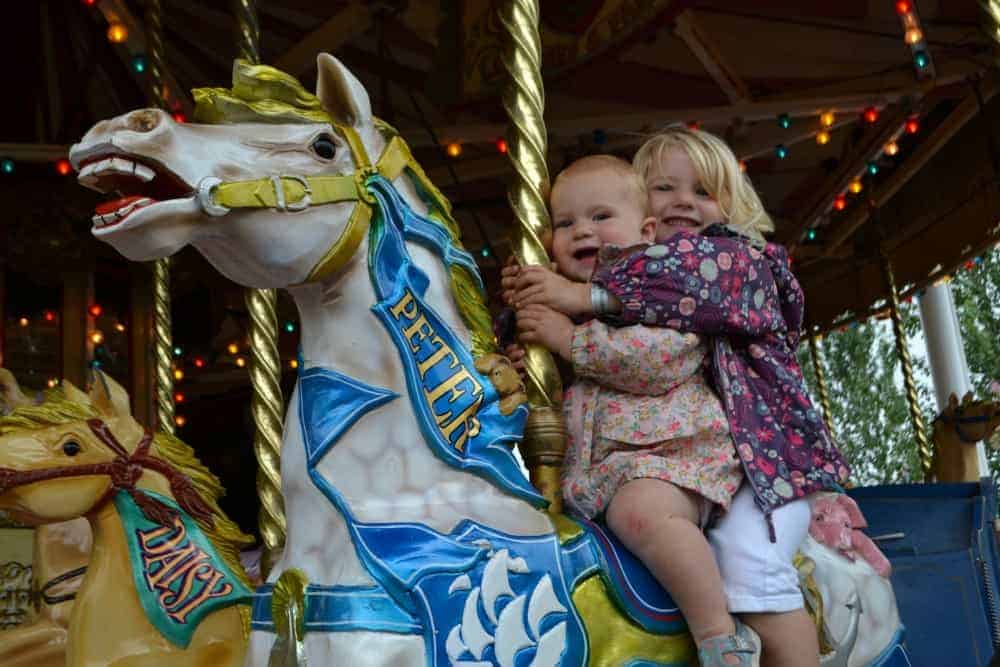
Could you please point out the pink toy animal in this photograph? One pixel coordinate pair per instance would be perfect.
(836, 523)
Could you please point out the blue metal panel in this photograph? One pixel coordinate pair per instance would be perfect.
(944, 566)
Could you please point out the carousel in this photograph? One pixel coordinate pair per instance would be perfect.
(279, 228)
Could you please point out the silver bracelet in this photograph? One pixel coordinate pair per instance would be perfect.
(599, 299)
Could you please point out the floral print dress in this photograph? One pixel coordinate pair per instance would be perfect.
(641, 408)
(750, 305)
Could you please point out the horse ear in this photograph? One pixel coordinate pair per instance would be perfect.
(952, 401)
(854, 514)
(11, 396)
(108, 397)
(340, 92)
(968, 399)
(73, 394)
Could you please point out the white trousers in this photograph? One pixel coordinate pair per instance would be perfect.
(758, 575)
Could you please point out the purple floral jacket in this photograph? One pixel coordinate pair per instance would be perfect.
(750, 304)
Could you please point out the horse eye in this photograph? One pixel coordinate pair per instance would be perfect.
(71, 448)
(324, 147)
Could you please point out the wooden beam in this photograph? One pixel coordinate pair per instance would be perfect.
(34, 152)
(77, 295)
(848, 168)
(336, 31)
(52, 86)
(808, 103)
(142, 364)
(116, 11)
(689, 29)
(962, 114)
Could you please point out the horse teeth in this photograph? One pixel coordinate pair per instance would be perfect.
(143, 172)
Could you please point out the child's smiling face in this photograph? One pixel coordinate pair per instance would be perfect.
(589, 209)
(677, 198)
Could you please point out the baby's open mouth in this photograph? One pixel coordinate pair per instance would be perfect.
(584, 254)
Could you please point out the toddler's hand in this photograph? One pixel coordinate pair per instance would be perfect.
(537, 285)
(546, 327)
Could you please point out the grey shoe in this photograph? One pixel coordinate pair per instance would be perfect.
(741, 649)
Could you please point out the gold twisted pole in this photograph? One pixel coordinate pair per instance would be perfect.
(154, 52)
(824, 397)
(524, 100)
(248, 40)
(163, 339)
(163, 344)
(265, 376)
(265, 362)
(923, 447)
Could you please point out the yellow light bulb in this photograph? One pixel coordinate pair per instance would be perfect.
(855, 187)
(827, 118)
(23, 321)
(180, 420)
(912, 36)
(117, 33)
(454, 149)
(233, 348)
(97, 338)
(119, 327)
(294, 363)
(241, 362)
(891, 148)
(822, 137)
(178, 374)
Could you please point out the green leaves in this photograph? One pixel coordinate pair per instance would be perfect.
(871, 417)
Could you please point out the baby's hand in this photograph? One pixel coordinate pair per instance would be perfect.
(543, 326)
(508, 281)
(537, 285)
(515, 353)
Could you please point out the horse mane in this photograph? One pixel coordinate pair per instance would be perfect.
(222, 532)
(263, 94)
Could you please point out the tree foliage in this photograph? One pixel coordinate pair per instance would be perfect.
(870, 413)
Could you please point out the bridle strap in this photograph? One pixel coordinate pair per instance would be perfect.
(124, 470)
(958, 420)
(291, 193)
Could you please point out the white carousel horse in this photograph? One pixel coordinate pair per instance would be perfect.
(420, 538)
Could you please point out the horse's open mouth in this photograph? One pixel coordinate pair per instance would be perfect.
(136, 183)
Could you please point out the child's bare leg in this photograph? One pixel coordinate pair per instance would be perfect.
(658, 522)
(789, 638)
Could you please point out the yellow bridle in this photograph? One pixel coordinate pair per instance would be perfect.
(290, 193)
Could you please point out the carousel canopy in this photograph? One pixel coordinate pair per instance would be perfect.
(870, 128)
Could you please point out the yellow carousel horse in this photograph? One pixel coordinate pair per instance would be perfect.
(60, 555)
(956, 431)
(164, 585)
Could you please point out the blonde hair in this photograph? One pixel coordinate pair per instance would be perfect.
(635, 183)
(719, 172)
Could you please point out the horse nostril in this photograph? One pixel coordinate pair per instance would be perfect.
(143, 120)
(71, 448)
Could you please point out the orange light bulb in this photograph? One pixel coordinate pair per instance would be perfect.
(117, 33)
